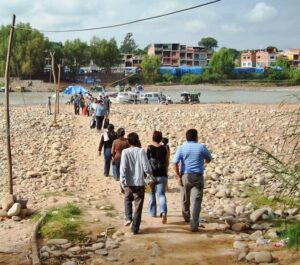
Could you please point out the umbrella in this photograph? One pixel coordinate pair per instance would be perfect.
(75, 89)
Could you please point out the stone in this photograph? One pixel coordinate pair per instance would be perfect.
(256, 235)
(23, 213)
(263, 256)
(271, 233)
(240, 245)
(33, 174)
(57, 241)
(14, 210)
(16, 218)
(250, 256)
(256, 215)
(69, 262)
(111, 244)
(7, 202)
(97, 246)
(238, 227)
(3, 213)
(241, 256)
(101, 252)
(112, 258)
(74, 249)
(155, 249)
(261, 180)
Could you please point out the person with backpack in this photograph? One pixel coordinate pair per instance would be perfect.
(106, 143)
(158, 156)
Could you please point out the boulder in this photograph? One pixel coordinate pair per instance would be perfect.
(256, 215)
(14, 210)
(7, 202)
(238, 227)
(256, 235)
(3, 213)
(57, 241)
(263, 256)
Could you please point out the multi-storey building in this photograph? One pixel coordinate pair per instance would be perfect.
(130, 60)
(293, 56)
(174, 54)
(258, 58)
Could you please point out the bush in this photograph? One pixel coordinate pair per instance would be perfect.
(274, 74)
(294, 76)
(168, 77)
(134, 79)
(212, 77)
(190, 79)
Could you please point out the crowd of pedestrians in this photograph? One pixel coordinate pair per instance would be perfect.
(135, 167)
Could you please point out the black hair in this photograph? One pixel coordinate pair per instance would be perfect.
(120, 132)
(157, 136)
(165, 141)
(110, 127)
(133, 139)
(191, 135)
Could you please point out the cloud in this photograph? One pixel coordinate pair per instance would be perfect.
(195, 25)
(262, 12)
(232, 28)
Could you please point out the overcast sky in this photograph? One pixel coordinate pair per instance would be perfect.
(240, 24)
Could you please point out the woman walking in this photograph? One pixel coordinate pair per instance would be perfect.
(118, 146)
(106, 142)
(158, 156)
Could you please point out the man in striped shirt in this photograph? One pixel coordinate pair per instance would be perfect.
(190, 158)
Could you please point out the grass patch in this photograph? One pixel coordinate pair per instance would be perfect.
(63, 222)
(36, 217)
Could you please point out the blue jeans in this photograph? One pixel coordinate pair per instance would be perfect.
(116, 170)
(159, 191)
(107, 160)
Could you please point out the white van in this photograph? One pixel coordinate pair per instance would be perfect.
(151, 97)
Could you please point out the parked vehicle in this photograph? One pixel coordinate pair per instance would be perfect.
(98, 88)
(186, 97)
(151, 97)
(2, 89)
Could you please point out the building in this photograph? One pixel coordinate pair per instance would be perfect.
(130, 60)
(293, 56)
(175, 54)
(258, 58)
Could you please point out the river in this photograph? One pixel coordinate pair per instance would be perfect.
(211, 94)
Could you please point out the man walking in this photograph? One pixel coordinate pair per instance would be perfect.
(134, 165)
(191, 157)
(49, 106)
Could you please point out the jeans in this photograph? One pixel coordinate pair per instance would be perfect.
(99, 122)
(159, 191)
(116, 170)
(192, 189)
(136, 194)
(107, 160)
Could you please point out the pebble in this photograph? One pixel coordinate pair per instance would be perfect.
(101, 252)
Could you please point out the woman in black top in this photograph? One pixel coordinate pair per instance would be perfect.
(158, 156)
(106, 141)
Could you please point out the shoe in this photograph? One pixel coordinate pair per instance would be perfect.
(194, 229)
(127, 222)
(164, 218)
(135, 232)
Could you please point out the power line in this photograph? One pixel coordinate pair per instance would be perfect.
(130, 22)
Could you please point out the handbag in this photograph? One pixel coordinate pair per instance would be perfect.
(93, 123)
(106, 122)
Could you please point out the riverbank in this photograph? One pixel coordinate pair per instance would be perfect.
(55, 165)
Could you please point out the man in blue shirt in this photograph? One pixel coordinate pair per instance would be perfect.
(191, 157)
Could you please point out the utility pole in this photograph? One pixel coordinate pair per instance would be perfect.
(58, 86)
(54, 81)
(7, 75)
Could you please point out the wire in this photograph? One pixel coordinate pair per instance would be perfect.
(127, 23)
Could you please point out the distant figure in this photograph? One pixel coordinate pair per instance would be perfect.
(100, 113)
(49, 106)
(106, 104)
(134, 166)
(77, 100)
(191, 157)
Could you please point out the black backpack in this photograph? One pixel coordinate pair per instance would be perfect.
(156, 165)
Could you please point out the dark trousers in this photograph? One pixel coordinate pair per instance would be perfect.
(136, 194)
(99, 122)
(76, 108)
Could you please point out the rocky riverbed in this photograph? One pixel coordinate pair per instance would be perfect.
(50, 161)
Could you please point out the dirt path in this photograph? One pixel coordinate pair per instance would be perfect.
(172, 243)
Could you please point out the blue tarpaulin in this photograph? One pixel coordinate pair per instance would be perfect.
(248, 70)
(75, 89)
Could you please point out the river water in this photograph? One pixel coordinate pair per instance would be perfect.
(208, 95)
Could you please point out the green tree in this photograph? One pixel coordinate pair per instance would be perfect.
(282, 62)
(272, 48)
(150, 68)
(27, 52)
(222, 62)
(105, 53)
(128, 45)
(76, 54)
(209, 43)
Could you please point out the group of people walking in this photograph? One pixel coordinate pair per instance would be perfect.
(132, 166)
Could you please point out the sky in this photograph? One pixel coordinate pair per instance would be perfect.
(239, 24)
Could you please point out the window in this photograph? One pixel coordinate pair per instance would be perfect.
(272, 57)
(258, 57)
(155, 95)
